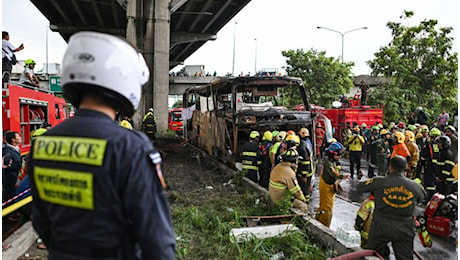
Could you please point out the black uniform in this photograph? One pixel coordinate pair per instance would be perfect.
(305, 169)
(395, 199)
(97, 191)
(251, 159)
(444, 165)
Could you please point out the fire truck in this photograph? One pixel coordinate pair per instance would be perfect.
(25, 109)
(175, 120)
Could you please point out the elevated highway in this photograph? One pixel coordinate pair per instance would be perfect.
(166, 31)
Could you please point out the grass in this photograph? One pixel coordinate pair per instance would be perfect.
(202, 227)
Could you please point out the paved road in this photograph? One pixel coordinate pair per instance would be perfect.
(347, 204)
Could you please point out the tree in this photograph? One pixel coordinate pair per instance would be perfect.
(178, 104)
(423, 69)
(325, 78)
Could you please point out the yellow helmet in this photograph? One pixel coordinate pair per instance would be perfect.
(254, 134)
(296, 139)
(304, 132)
(267, 136)
(38, 132)
(400, 137)
(126, 124)
(435, 132)
(281, 136)
(409, 135)
(383, 132)
(424, 128)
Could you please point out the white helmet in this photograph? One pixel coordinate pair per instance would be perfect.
(103, 64)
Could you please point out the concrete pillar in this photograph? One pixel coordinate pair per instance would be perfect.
(161, 63)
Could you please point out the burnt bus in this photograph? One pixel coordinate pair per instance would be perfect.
(220, 115)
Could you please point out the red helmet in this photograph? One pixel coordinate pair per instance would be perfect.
(401, 125)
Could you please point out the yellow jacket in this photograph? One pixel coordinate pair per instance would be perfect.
(355, 144)
(414, 154)
(282, 180)
(364, 217)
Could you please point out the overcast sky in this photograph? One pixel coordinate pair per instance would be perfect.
(277, 25)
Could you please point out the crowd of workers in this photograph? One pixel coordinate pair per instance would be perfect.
(410, 164)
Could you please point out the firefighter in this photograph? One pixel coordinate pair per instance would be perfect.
(251, 156)
(109, 201)
(306, 166)
(395, 199)
(445, 163)
(422, 141)
(431, 153)
(278, 149)
(283, 180)
(412, 147)
(149, 127)
(356, 143)
(329, 183)
(372, 150)
(266, 165)
(363, 219)
(399, 147)
(383, 152)
(319, 137)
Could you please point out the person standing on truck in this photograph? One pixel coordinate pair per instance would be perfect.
(393, 221)
(109, 202)
(8, 58)
(28, 76)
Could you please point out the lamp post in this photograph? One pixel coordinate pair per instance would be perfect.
(342, 34)
(234, 40)
(255, 59)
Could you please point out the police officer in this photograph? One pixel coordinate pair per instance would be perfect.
(395, 199)
(97, 187)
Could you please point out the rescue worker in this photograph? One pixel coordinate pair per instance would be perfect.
(319, 137)
(278, 149)
(399, 147)
(149, 127)
(101, 194)
(126, 124)
(250, 155)
(363, 219)
(356, 142)
(266, 166)
(149, 112)
(372, 150)
(395, 199)
(283, 180)
(422, 141)
(306, 167)
(421, 116)
(431, 153)
(383, 152)
(445, 163)
(412, 147)
(329, 183)
(450, 132)
(277, 136)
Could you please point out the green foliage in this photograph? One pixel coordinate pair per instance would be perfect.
(178, 104)
(324, 77)
(423, 69)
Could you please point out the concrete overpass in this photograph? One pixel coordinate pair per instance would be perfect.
(166, 31)
(178, 85)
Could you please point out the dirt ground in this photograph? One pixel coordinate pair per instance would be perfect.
(185, 176)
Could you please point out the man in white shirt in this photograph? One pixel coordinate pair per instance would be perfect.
(7, 54)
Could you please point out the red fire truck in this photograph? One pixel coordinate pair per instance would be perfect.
(175, 120)
(25, 109)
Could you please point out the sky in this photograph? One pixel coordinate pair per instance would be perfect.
(261, 30)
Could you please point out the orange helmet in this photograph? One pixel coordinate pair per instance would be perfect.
(290, 132)
(304, 132)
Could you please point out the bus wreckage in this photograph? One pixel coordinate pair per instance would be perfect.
(221, 114)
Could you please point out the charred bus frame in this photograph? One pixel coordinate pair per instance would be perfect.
(223, 113)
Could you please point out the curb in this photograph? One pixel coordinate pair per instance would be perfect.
(19, 242)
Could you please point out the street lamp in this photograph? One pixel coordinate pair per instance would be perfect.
(234, 40)
(255, 59)
(342, 34)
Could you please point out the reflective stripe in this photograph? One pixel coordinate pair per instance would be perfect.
(246, 162)
(440, 163)
(450, 162)
(364, 234)
(305, 162)
(254, 154)
(278, 185)
(294, 190)
(450, 179)
(431, 187)
(309, 174)
(446, 172)
(249, 167)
